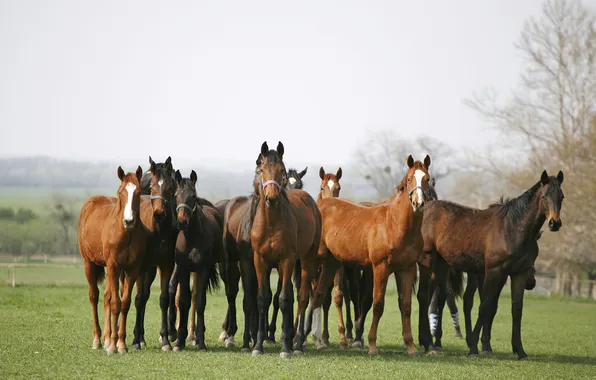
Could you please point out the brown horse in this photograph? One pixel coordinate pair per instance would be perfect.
(198, 249)
(111, 235)
(344, 286)
(157, 214)
(497, 242)
(286, 227)
(386, 236)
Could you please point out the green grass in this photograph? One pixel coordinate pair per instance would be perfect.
(39, 199)
(47, 333)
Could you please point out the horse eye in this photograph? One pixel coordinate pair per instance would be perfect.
(409, 179)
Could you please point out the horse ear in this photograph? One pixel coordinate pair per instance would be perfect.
(427, 161)
(168, 160)
(169, 167)
(178, 177)
(139, 173)
(432, 182)
(152, 166)
(303, 173)
(338, 174)
(544, 178)
(560, 177)
(410, 161)
(264, 149)
(280, 150)
(193, 177)
(322, 173)
(120, 173)
(259, 160)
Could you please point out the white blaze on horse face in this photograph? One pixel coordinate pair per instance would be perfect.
(419, 174)
(330, 184)
(160, 182)
(292, 180)
(130, 188)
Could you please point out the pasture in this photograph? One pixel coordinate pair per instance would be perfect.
(47, 333)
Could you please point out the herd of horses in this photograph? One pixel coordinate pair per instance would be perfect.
(327, 249)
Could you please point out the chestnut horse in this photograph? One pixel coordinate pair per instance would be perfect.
(286, 227)
(157, 214)
(386, 236)
(345, 284)
(111, 235)
(497, 242)
(198, 248)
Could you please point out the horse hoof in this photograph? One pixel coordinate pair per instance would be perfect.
(473, 354)
(413, 354)
(177, 349)
(245, 350)
(222, 337)
(373, 352)
(167, 347)
(486, 352)
(433, 352)
(230, 342)
(525, 357)
(256, 353)
(343, 347)
(122, 350)
(136, 346)
(357, 344)
(202, 350)
(350, 340)
(96, 346)
(298, 352)
(193, 342)
(284, 355)
(143, 344)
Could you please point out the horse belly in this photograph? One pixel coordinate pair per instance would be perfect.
(467, 262)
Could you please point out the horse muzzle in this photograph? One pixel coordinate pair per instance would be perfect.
(271, 200)
(129, 224)
(554, 225)
(417, 206)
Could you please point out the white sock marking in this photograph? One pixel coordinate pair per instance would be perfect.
(433, 321)
(130, 188)
(330, 184)
(317, 324)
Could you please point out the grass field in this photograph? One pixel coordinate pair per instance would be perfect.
(47, 333)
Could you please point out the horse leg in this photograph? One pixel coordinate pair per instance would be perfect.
(518, 285)
(272, 325)
(380, 273)
(202, 281)
(233, 274)
(469, 293)
(140, 303)
(488, 324)
(326, 306)
(424, 333)
(192, 311)
(286, 304)
(107, 319)
(131, 277)
(433, 316)
(173, 308)
(113, 277)
(164, 304)
(338, 299)
(325, 281)
(454, 312)
(405, 285)
(263, 301)
(224, 326)
(441, 292)
(488, 303)
(308, 270)
(352, 284)
(92, 272)
(184, 305)
(366, 301)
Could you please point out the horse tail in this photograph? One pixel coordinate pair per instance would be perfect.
(415, 281)
(298, 274)
(455, 282)
(100, 272)
(214, 277)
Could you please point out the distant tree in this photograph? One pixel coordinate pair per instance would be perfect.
(381, 159)
(7, 213)
(65, 217)
(24, 215)
(550, 123)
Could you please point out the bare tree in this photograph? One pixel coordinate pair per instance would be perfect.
(381, 160)
(549, 122)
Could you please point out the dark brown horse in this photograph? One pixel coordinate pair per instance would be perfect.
(386, 237)
(198, 249)
(157, 214)
(497, 242)
(111, 235)
(286, 228)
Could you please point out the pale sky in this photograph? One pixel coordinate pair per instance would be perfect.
(209, 81)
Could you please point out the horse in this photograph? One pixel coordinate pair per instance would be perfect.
(496, 242)
(286, 227)
(345, 284)
(384, 239)
(295, 178)
(157, 215)
(198, 249)
(111, 235)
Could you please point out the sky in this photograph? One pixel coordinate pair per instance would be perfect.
(209, 81)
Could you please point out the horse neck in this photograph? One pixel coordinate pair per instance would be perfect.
(533, 219)
(401, 214)
(193, 230)
(271, 215)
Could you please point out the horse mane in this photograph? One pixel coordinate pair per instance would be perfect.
(514, 209)
(146, 179)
